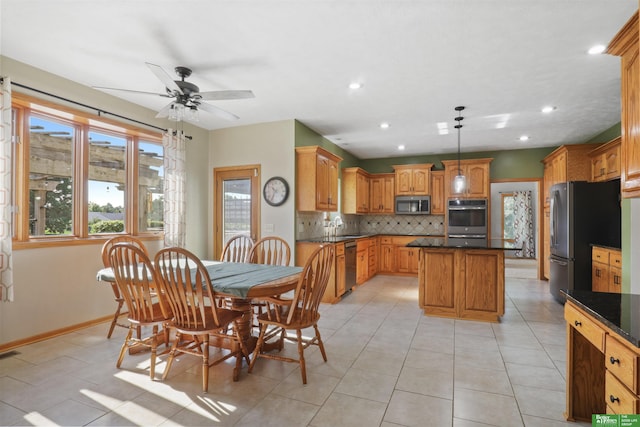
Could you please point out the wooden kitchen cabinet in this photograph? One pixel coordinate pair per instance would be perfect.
(412, 180)
(355, 191)
(437, 193)
(362, 261)
(387, 256)
(477, 174)
(625, 45)
(606, 270)
(316, 179)
(407, 260)
(373, 257)
(566, 163)
(605, 161)
(381, 193)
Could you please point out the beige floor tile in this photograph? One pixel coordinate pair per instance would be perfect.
(426, 381)
(278, 411)
(482, 379)
(316, 391)
(13, 416)
(534, 376)
(458, 422)
(387, 362)
(479, 358)
(348, 411)
(548, 404)
(442, 362)
(72, 413)
(525, 356)
(435, 343)
(410, 409)
(531, 421)
(367, 385)
(489, 408)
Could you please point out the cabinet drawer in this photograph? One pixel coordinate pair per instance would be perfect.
(615, 259)
(621, 362)
(618, 397)
(587, 327)
(362, 245)
(386, 240)
(339, 249)
(600, 255)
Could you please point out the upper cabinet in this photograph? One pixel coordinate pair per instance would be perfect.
(381, 193)
(476, 172)
(412, 180)
(437, 192)
(316, 179)
(605, 161)
(566, 163)
(355, 191)
(625, 45)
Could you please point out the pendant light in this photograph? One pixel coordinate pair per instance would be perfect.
(460, 181)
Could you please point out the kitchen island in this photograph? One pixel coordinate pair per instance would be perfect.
(461, 282)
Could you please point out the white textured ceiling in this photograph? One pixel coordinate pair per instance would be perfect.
(502, 59)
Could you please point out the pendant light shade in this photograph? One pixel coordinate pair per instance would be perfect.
(460, 181)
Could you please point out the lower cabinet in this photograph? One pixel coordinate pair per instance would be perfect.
(362, 261)
(407, 260)
(396, 258)
(606, 270)
(602, 368)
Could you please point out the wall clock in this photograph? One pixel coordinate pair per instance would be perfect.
(276, 191)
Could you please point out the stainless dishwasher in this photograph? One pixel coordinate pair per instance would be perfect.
(349, 265)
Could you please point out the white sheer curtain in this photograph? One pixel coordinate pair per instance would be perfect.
(523, 224)
(174, 188)
(6, 209)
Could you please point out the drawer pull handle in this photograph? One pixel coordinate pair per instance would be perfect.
(577, 323)
(613, 361)
(614, 399)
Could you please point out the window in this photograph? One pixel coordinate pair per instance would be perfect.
(83, 176)
(508, 217)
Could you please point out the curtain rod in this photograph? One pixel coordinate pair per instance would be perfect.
(99, 110)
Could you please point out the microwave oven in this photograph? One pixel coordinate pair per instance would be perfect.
(413, 205)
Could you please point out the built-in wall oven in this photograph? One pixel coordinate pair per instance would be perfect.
(467, 222)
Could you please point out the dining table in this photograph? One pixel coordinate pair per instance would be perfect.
(242, 283)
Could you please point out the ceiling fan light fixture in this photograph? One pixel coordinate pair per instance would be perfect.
(176, 112)
(191, 114)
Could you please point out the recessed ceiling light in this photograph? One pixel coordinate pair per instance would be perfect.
(355, 85)
(596, 50)
(524, 138)
(443, 128)
(401, 147)
(548, 109)
(384, 125)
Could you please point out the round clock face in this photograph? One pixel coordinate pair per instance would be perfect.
(276, 191)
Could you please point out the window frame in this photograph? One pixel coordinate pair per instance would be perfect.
(83, 123)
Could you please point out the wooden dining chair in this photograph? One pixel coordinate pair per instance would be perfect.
(114, 287)
(270, 250)
(136, 279)
(297, 313)
(237, 249)
(185, 282)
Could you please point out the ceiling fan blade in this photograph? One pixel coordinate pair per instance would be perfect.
(219, 95)
(165, 111)
(164, 78)
(218, 111)
(164, 95)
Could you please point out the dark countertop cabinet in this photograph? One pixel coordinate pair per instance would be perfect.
(620, 312)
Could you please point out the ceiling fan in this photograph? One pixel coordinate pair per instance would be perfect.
(188, 98)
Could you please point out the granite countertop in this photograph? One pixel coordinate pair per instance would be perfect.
(347, 238)
(620, 312)
(427, 242)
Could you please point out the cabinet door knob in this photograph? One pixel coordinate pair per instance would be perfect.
(613, 360)
(614, 399)
(577, 323)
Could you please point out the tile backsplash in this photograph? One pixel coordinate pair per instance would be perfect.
(311, 224)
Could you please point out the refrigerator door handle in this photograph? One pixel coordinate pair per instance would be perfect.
(562, 263)
(553, 229)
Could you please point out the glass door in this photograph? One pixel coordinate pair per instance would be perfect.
(237, 204)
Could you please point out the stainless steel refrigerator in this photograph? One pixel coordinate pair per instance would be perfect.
(582, 213)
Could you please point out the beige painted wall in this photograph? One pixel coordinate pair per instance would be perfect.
(272, 146)
(56, 288)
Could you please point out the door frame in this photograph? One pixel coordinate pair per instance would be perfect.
(230, 172)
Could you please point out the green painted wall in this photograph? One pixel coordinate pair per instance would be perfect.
(305, 136)
(524, 163)
(609, 134)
